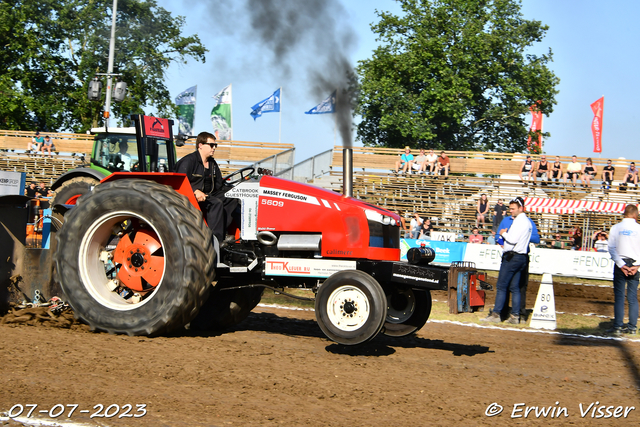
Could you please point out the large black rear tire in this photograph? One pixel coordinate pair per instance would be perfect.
(351, 307)
(107, 241)
(226, 308)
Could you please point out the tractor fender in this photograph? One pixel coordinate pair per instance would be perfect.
(178, 181)
(75, 173)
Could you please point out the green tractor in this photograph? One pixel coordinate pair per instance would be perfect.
(118, 150)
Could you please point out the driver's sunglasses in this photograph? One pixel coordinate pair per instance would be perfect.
(212, 144)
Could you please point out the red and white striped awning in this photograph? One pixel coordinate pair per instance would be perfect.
(561, 206)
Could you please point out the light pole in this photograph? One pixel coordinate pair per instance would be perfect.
(112, 46)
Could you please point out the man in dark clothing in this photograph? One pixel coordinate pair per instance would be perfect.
(31, 190)
(208, 187)
(42, 191)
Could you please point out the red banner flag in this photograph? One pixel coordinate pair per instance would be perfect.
(536, 125)
(596, 125)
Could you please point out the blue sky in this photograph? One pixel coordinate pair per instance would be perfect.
(593, 42)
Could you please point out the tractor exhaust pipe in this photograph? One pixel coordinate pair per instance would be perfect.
(347, 172)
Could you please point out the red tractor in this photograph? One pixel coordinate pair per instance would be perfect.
(135, 256)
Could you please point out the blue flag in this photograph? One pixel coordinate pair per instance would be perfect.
(269, 105)
(325, 107)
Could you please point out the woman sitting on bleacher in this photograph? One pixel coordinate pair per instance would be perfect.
(588, 173)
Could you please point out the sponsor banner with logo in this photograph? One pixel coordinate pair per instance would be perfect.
(306, 267)
(12, 183)
(585, 264)
(446, 252)
(486, 257)
(443, 237)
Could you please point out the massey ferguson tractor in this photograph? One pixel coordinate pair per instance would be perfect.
(134, 256)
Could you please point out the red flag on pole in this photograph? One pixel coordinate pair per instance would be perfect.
(596, 125)
(536, 125)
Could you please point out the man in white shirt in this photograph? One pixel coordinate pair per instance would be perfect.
(432, 159)
(574, 169)
(419, 162)
(514, 262)
(624, 248)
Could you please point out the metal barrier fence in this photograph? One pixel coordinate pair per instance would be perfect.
(282, 165)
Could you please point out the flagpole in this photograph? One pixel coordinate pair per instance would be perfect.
(280, 124)
(231, 108)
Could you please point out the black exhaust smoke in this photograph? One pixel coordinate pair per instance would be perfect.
(312, 38)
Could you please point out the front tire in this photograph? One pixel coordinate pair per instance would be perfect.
(70, 191)
(136, 258)
(407, 311)
(350, 307)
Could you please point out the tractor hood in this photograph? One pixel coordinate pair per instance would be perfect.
(349, 227)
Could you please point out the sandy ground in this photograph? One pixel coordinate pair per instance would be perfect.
(277, 368)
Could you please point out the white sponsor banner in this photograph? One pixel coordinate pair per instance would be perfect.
(12, 183)
(590, 265)
(288, 195)
(443, 237)
(558, 262)
(247, 192)
(306, 267)
(486, 257)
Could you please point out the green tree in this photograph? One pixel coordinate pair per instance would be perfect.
(455, 75)
(53, 48)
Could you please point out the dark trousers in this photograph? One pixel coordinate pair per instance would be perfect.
(509, 280)
(524, 281)
(218, 214)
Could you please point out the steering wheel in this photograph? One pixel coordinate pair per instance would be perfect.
(243, 176)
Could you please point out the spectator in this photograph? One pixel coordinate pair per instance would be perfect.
(588, 173)
(432, 160)
(576, 240)
(474, 237)
(601, 242)
(416, 225)
(607, 175)
(425, 231)
(498, 214)
(36, 143)
(631, 177)
(443, 165)
(556, 170)
(31, 190)
(419, 164)
(42, 190)
(573, 170)
(542, 169)
(624, 247)
(405, 161)
(491, 240)
(48, 145)
(557, 243)
(526, 169)
(403, 222)
(482, 210)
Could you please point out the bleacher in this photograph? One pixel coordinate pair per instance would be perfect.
(451, 203)
(71, 148)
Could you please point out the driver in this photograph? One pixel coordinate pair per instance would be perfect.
(207, 184)
(124, 158)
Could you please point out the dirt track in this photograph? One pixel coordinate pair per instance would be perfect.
(277, 368)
